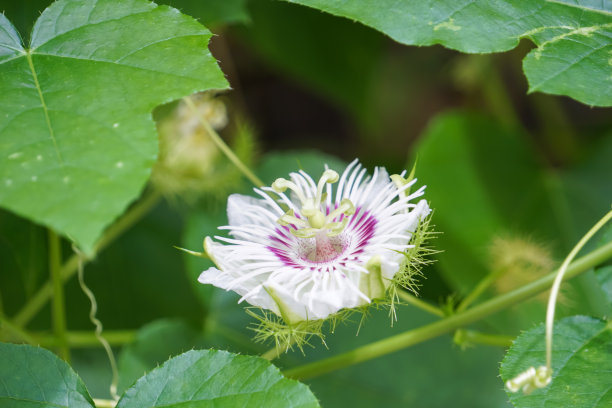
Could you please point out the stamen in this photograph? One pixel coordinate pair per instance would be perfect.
(281, 185)
(346, 207)
(335, 228)
(314, 220)
(305, 232)
(289, 218)
(329, 176)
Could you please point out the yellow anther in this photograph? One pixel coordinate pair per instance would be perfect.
(289, 218)
(335, 228)
(346, 207)
(281, 185)
(329, 176)
(305, 232)
(314, 219)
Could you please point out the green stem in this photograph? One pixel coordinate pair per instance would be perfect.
(86, 339)
(449, 324)
(554, 292)
(478, 290)
(134, 214)
(58, 309)
(272, 354)
(224, 147)
(98, 324)
(421, 304)
(14, 333)
(470, 337)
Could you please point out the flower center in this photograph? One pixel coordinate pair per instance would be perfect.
(312, 221)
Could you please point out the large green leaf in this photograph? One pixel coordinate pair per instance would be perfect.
(211, 378)
(76, 133)
(582, 357)
(35, 377)
(573, 44)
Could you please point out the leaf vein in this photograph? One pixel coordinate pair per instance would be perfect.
(44, 106)
(570, 65)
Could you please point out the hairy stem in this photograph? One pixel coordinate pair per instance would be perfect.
(134, 214)
(58, 309)
(449, 324)
(224, 147)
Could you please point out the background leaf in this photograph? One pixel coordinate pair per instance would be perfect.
(76, 129)
(210, 378)
(582, 357)
(483, 181)
(573, 44)
(33, 376)
(604, 276)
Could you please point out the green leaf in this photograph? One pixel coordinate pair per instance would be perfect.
(35, 377)
(76, 136)
(573, 44)
(582, 357)
(603, 6)
(211, 378)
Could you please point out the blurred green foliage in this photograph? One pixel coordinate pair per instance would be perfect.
(497, 162)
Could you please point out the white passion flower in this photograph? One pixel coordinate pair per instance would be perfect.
(309, 254)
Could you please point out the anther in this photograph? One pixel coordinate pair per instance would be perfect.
(281, 185)
(346, 207)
